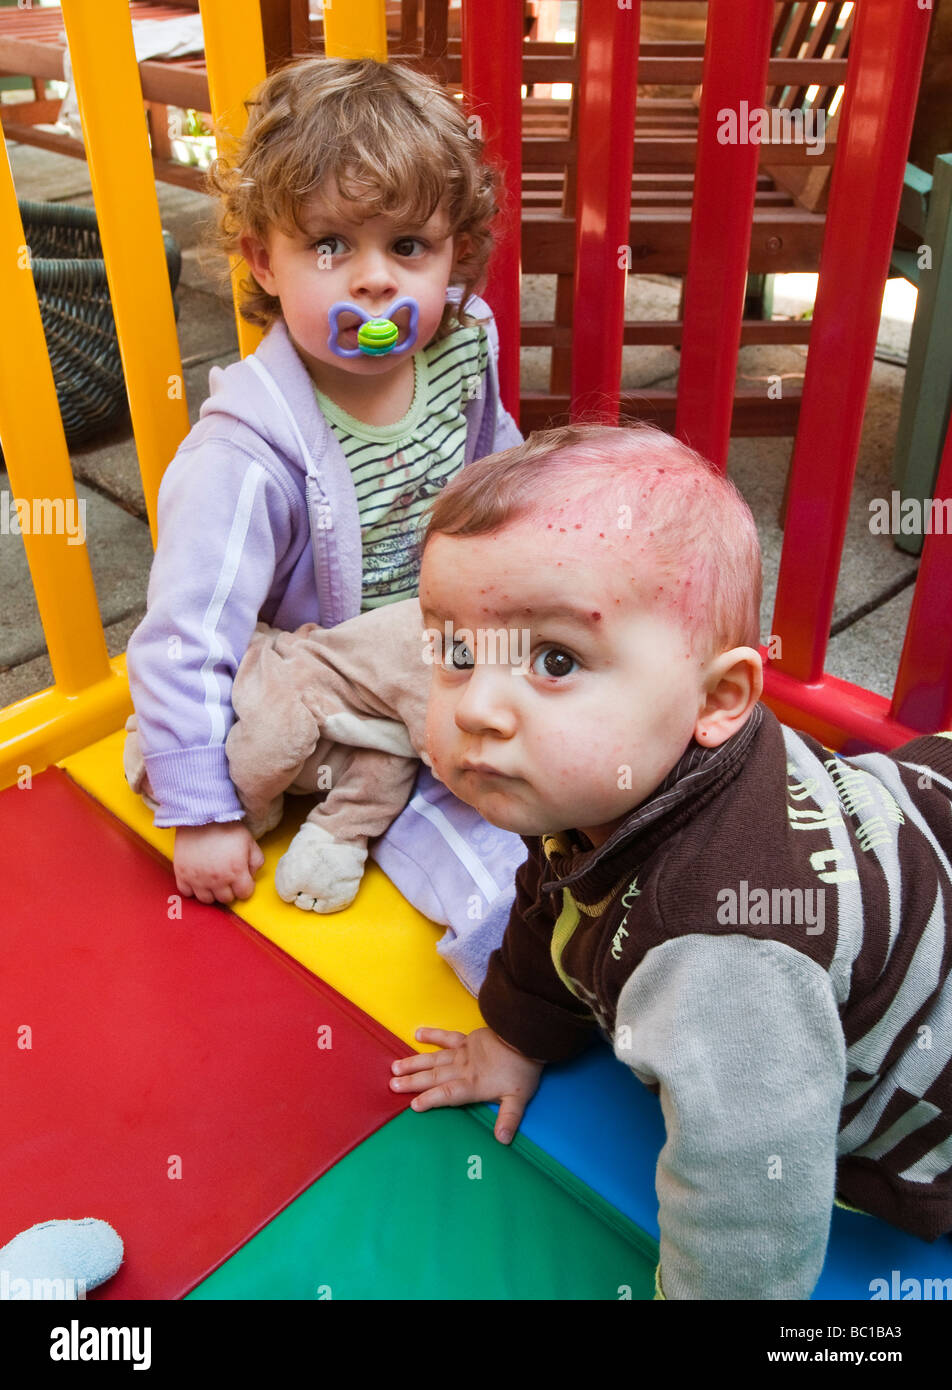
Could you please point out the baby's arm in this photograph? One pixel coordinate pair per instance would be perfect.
(223, 525)
(472, 1067)
(743, 1039)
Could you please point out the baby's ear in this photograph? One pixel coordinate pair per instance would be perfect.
(462, 249)
(258, 260)
(734, 684)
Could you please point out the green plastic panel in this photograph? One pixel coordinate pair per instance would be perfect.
(431, 1207)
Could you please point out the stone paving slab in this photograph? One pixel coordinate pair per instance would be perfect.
(867, 653)
(110, 464)
(31, 676)
(120, 554)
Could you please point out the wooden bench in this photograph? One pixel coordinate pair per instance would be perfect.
(809, 51)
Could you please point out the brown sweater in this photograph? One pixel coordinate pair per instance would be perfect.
(767, 942)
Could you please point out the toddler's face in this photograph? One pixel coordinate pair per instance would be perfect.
(610, 689)
(369, 263)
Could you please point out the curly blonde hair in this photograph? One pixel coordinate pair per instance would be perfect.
(380, 134)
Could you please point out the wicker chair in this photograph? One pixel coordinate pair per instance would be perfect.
(70, 278)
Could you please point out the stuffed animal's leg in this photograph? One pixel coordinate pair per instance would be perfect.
(323, 865)
(275, 732)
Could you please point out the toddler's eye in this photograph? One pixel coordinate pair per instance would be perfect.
(461, 658)
(329, 246)
(553, 662)
(409, 247)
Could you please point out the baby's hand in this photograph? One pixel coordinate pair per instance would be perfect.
(216, 863)
(475, 1066)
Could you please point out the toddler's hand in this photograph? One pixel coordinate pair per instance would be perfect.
(216, 863)
(474, 1066)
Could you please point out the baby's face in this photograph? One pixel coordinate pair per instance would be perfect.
(369, 262)
(594, 701)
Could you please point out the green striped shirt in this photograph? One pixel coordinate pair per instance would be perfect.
(398, 469)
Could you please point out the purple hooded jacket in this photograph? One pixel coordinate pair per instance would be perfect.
(258, 520)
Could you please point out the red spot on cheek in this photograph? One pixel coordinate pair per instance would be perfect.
(596, 617)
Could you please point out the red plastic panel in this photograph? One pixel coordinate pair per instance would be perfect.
(725, 180)
(887, 49)
(492, 34)
(159, 1046)
(608, 62)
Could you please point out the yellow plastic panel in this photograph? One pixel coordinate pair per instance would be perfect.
(234, 58)
(120, 169)
(50, 725)
(380, 953)
(355, 29)
(37, 461)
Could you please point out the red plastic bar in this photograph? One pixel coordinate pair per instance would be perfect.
(735, 79)
(923, 693)
(608, 65)
(888, 45)
(492, 39)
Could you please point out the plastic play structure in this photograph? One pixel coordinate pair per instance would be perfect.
(214, 1084)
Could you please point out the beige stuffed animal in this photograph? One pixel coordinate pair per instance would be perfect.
(335, 710)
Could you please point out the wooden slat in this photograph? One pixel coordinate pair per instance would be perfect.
(32, 112)
(665, 332)
(183, 82)
(541, 154)
(681, 72)
(754, 415)
(167, 171)
(783, 239)
(816, 46)
(800, 18)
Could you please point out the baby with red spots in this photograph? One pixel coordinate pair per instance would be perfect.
(702, 884)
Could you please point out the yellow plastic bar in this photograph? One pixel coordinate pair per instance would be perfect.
(40, 477)
(355, 29)
(46, 727)
(99, 33)
(234, 58)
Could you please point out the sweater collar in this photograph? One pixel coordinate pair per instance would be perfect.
(697, 776)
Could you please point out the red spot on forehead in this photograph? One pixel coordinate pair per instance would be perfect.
(596, 617)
